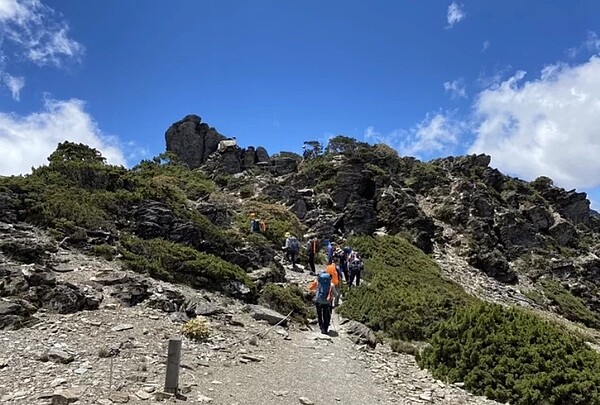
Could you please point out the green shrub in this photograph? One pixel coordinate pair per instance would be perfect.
(108, 252)
(570, 306)
(405, 296)
(286, 299)
(278, 218)
(197, 329)
(247, 191)
(512, 356)
(173, 262)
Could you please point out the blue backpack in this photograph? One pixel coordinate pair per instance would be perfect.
(323, 287)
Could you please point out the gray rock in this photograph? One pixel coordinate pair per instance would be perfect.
(262, 156)
(58, 356)
(111, 277)
(12, 282)
(38, 275)
(122, 327)
(361, 334)
(201, 307)
(564, 233)
(192, 141)
(261, 313)
(67, 396)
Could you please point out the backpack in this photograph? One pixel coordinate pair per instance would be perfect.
(323, 287)
(294, 244)
(255, 226)
(355, 265)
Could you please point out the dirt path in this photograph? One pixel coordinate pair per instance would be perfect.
(308, 365)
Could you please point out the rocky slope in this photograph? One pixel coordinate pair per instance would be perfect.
(175, 229)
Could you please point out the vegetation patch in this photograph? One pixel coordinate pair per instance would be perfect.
(277, 217)
(176, 263)
(406, 296)
(512, 356)
(569, 305)
(197, 329)
(286, 299)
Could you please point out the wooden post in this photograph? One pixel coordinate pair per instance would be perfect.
(173, 359)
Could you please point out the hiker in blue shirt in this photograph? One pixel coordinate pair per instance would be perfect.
(291, 248)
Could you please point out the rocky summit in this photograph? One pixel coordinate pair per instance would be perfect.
(479, 288)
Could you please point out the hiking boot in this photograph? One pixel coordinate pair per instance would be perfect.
(323, 331)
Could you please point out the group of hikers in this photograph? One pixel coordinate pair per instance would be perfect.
(343, 264)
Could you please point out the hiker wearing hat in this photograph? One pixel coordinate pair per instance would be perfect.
(324, 292)
(291, 248)
(254, 223)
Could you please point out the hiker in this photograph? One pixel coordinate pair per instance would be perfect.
(323, 297)
(330, 246)
(312, 249)
(255, 225)
(344, 255)
(333, 270)
(291, 248)
(355, 268)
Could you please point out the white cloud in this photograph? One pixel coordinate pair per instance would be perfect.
(485, 46)
(591, 45)
(455, 14)
(437, 133)
(36, 32)
(32, 32)
(544, 126)
(27, 141)
(456, 88)
(14, 84)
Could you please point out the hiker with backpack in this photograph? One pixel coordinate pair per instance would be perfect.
(254, 223)
(291, 248)
(312, 249)
(330, 247)
(344, 255)
(324, 289)
(355, 268)
(334, 271)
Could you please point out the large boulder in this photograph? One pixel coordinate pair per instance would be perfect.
(361, 334)
(261, 313)
(12, 282)
(16, 313)
(540, 217)
(285, 163)
(517, 235)
(564, 233)
(494, 264)
(192, 141)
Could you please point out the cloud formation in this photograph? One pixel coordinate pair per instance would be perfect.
(545, 126)
(437, 133)
(14, 84)
(456, 88)
(27, 141)
(33, 32)
(485, 46)
(455, 14)
(590, 45)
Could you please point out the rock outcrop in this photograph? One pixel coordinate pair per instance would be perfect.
(192, 140)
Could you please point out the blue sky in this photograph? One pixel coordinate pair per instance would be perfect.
(518, 80)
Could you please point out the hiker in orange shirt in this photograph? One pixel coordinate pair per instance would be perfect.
(333, 270)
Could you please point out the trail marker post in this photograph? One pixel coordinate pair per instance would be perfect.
(173, 361)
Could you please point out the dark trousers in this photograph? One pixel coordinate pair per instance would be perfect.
(290, 255)
(344, 267)
(354, 274)
(311, 263)
(324, 315)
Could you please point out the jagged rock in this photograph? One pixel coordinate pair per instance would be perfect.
(299, 208)
(248, 157)
(483, 205)
(251, 256)
(516, 235)
(67, 396)
(265, 275)
(38, 275)
(58, 356)
(166, 300)
(132, 293)
(359, 217)
(93, 298)
(153, 219)
(16, 313)
(218, 215)
(493, 178)
(202, 307)
(192, 141)
(27, 251)
(261, 313)
(285, 162)
(571, 205)
(495, 265)
(361, 334)
(12, 282)
(111, 278)
(564, 233)
(262, 156)
(352, 181)
(237, 289)
(62, 298)
(540, 217)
